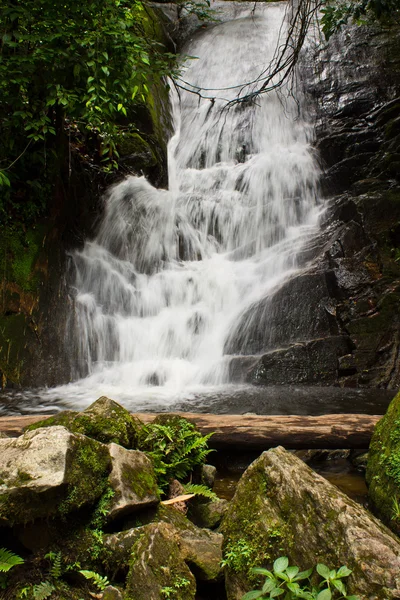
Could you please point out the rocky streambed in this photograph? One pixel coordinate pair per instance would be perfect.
(97, 504)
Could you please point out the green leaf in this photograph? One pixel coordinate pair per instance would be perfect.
(8, 559)
(276, 592)
(352, 598)
(268, 586)
(291, 572)
(281, 564)
(343, 572)
(260, 571)
(323, 570)
(325, 595)
(105, 70)
(303, 575)
(252, 595)
(339, 585)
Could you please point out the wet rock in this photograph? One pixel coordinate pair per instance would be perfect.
(50, 471)
(383, 468)
(157, 565)
(133, 481)
(308, 362)
(359, 459)
(281, 507)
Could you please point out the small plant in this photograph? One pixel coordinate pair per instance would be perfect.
(100, 582)
(395, 509)
(175, 447)
(284, 579)
(8, 560)
(169, 592)
(200, 490)
(43, 590)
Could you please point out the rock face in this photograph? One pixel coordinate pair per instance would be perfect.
(133, 481)
(383, 468)
(50, 471)
(281, 507)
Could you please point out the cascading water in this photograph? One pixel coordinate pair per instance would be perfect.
(164, 282)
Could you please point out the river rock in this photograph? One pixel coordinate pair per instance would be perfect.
(208, 514)
(383, 468)
(157, 566)
(133, 481)
(50, 471)
(281, 507)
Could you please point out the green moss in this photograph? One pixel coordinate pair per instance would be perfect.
(64, 419)
(383, 469)
(90, 465)
(19, 252)
(142, 482)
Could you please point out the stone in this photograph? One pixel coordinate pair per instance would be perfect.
(383, 467)
(50, 471)
(208, 514)
(281, 507)
(199, 548)
(104, 420)
(133, 481)
(157, 566)
(208, 474)
(111, 593)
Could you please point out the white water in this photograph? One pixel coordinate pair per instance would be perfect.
(169, 273)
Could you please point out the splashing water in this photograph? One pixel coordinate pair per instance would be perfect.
(170, 272)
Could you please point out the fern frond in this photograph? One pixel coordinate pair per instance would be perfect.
(200, 490)
(98, 580)
(8, 560)
(56, 568)
(43, 590)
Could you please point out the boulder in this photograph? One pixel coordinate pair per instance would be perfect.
(208, 514)
(281, 507)
(383, 467)
(111, 593)
(199, 548)
(157, 567)
(104, 420)
(133, 481)
(50, 471)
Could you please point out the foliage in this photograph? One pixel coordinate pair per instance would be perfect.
(337, 13)
(8, 560)
(43, 590)
(175, 446)
(200, 490)
(284, 579)
(179, 583)
(70, 70)
(100, 582)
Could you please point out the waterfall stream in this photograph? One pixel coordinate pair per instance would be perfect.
(164, 282)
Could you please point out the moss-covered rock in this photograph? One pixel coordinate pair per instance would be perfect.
(208, 514)
(281, 507)
(383, 468)
(50, 471)
(105, 421)
(157, 567)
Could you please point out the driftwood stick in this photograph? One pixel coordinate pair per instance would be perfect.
(258, 431)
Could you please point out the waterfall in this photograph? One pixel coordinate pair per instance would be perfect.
(163, 284)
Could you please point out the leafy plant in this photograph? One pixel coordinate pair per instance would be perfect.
(336, 13)
(43, 590)
(8, 560)
(200, 490)
(100, 582)
(284, 580)
(175, 446)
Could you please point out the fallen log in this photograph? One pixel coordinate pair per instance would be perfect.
(247, 432)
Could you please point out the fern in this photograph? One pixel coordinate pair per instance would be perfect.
(43, 590)
(98, 580)
(200, 490)
(8, 560)
(56, 567)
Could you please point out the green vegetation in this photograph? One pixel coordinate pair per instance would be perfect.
(8, 560)
(284, 580)
(337, 13)
(175, 446)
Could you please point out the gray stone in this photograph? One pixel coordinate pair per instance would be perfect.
(111, 593)
(208, 514)
(281, 507)
(133, 481)
(49, 470)
(208, 474)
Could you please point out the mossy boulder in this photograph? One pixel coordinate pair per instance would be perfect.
(383, 467)
(281, 507)
(133, 481)
(105, 421)
(50, 471)
(208, 514)
(157, 567)
(199, 548)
